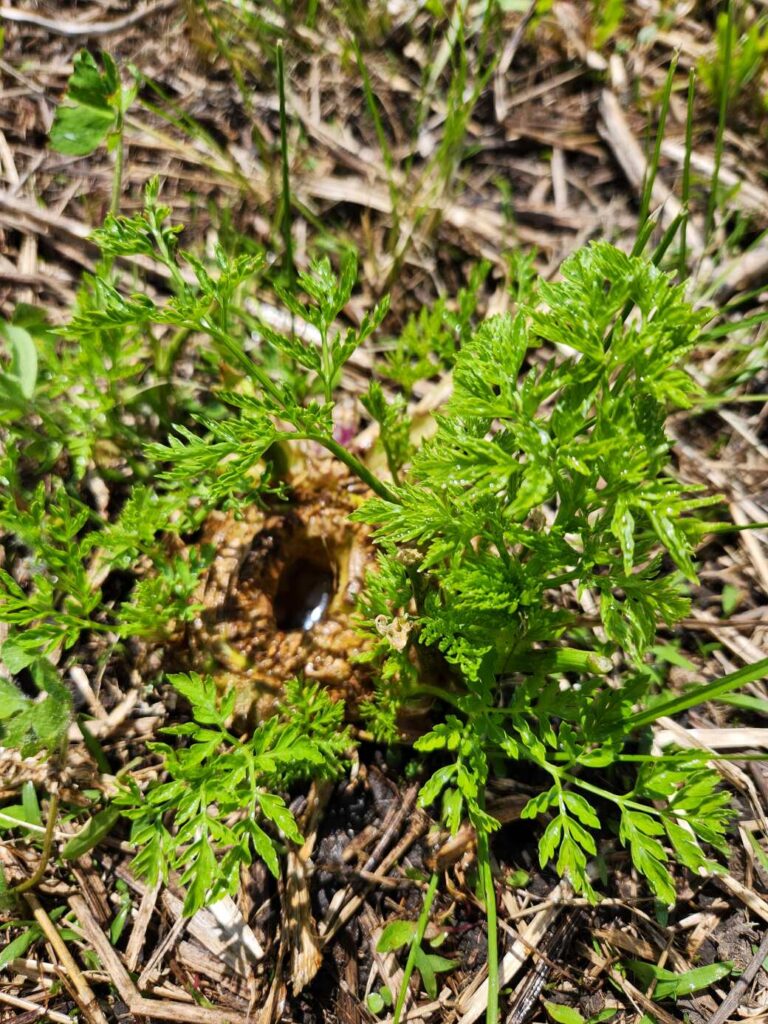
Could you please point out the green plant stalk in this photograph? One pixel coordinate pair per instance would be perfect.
(722, 330)
(166, 354)
(686, 186)
(325, 363)
(289, 268)
(354, 464)
(260, 375)
(8, 819)
(625, 802)
(560, 659)
(706, 528)
(253, 370)
(709, 691)
(45, 853)
(660, 250)
(721, 124)
(421, 928)
(438, 692)
(386, 152)
(117, 175)
(489, 896)
(653, 167)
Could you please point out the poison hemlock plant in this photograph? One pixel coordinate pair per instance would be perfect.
(65, 598)
(430, 340)
(221, 790)
(546, 478)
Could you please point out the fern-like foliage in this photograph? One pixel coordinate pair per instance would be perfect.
(218, 806)
(548, 477)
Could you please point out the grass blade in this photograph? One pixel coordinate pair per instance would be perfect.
(381, 136)
(290, 270)
(686, 187)
(707, 691)
(721, 122)
(653, 167)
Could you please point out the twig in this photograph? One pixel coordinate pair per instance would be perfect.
(33, 1008)
(748, 897)
(138, 1005)
(305, 953)
(140, 925)
(729, 1005)
(76, 29)
(81, 991)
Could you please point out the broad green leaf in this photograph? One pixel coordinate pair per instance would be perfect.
(91, 834)
(423, 965)
(19, 946)
(30, 804)
(12, 700)
(395, 935)
(120, 919)
(564, 1014)
(29, 725)
(439, 964)
(23, 367)
(78, 131)
(673, 986)
(374, 1002)
(90, 109)
(15, 658)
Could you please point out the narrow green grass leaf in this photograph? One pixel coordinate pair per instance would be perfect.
(653, 166)
(91, 834)
(701, 694)
(23, 366)
(288, 265)
(674, 986)
(722, 119)
(686, 185)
